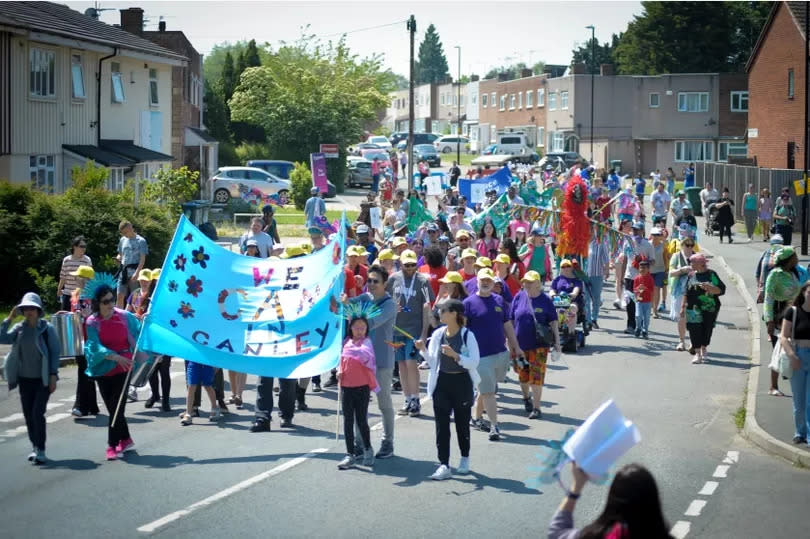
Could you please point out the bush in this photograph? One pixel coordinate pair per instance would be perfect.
(301, 180)
(173, 187)
(252, 150)
(227, 155)
(36, 231)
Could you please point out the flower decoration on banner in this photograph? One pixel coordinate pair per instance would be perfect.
(180, 262)
(189, 238)
(322, 223)
(172, 286)
(194, 286)
(173, 323)
(336, 254)
(185, 310)
(199, 256)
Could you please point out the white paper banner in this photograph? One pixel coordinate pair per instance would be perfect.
(376, 219)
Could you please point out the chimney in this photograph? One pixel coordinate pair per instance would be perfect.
(525, 72)
(132, 20)
(161, 26)
(474, 78)
(607, 70)
(578, 69)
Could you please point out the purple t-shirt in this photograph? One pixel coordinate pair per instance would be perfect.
(561, 283)
(471, 286)
(485, 318)
(524, 311)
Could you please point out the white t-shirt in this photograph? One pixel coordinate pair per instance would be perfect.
(263, 241)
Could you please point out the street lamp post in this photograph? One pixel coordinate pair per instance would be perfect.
(458, 109)
(593, 69)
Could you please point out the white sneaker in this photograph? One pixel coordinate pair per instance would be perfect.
(463, 465)
(442, 472)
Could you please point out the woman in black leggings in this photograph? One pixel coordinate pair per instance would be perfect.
(452, 355)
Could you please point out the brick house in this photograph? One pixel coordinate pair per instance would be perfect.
(191, 144)
(776, 96)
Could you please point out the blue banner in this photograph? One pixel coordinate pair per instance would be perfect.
(280, 318)
(474, 189)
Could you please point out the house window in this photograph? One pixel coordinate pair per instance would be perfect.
(733, 149)
(557, 139)
(455, 99)
(529, 98)
(115, 180)
(791, 84)
(520, 100)
(552, 101)
(154, 99)
(442, 99)
(739, 101)
(693, 101)
(502, 103)
(655, 100)
(43, 172)
(42, 72)
(564, 100)
(512, 102)
(541, 97)
(77, 76)
(117, 83)
(492, 99)
(694, 150)
(541, 135)
(484, 100)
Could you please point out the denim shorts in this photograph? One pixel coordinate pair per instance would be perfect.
(407, 352)
(198, 374)
(659, 278)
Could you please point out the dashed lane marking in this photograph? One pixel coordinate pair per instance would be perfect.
(709, 488)
(695, 507)
(171, 517)
(680, 529)
(721, 471)
(12, 417)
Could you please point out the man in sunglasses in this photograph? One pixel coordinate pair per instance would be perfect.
(454, 253)
(413, 294)
(381, 329)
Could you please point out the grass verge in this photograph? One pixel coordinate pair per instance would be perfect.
(466, 159)
(739, 415)
(290, 223)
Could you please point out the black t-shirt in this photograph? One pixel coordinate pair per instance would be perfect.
(455, 172)
(802, 329)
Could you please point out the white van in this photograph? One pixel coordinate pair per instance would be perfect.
(514, 143)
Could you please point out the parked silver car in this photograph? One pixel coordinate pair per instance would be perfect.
(450, 143)
(359, 172)
(252, 185)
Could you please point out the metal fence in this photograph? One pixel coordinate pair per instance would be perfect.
(738, 177)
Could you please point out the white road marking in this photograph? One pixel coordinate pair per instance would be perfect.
(721, 471)
(695, 507)
(56, 417)
(171, 517)
(12, 417)
(67, 399)
(680, 529)
(52, 405)
(10, 433)
(732, 457)
(709, 488)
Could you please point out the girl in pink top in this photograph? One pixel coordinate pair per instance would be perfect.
(357, 376)
(488, 244)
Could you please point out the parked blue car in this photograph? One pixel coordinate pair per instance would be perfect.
(282, 170)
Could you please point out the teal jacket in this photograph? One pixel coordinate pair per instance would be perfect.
(49, 347)
(96, 353)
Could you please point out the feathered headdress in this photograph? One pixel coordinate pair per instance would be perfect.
(93, 284)
(361, 309)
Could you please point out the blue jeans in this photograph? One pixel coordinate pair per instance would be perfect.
(800, 385)
(594, 300)
(643, 316)
(671, 187)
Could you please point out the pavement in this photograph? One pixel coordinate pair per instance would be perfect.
(218, 479)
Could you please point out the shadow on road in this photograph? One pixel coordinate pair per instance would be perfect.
(70, 464)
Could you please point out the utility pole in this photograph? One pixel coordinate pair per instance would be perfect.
(593, 69)
(806, 153)
(458, 110)
(412, 31)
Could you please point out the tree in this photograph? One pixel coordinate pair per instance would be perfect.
(400, 82)
(690, 37)
(431, 66)
(604, 54)
(173, 187)
(215, 113)
(229, 77)
(252, 58)
(287, 97)
(510, 72)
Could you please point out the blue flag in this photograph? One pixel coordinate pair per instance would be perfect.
(474, 189)
(279, 318)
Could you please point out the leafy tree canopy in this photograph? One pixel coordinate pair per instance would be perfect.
(431, 64)
(603, 53)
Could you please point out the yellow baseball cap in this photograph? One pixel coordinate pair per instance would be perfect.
(387, 254)
(85, 272)
(357, 250)
(485, 273)
(145, 275)
(503, 258)
(397, 241)
(156, 274)
(469, 252)
(407, 257)
(462, 234)
(484, 262)
(452, 277)
(292, 251)
(531, 276)
(566, 263)
(306, 247)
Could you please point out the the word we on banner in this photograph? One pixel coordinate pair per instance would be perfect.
(279, 318)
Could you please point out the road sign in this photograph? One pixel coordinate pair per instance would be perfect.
(330, 151)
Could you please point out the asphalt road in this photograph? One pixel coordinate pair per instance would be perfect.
(221, 480)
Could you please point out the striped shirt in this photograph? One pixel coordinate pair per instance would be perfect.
(598, 258)
(69, 265)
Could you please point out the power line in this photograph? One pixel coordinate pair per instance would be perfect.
(363, 29)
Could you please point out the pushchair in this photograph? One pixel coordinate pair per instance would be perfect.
(569, 342)
(712, 225)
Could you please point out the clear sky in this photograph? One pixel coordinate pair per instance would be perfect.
(489, 33)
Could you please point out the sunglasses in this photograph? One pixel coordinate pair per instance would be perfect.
(107, 301)
(373, 281)
(408, 265)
